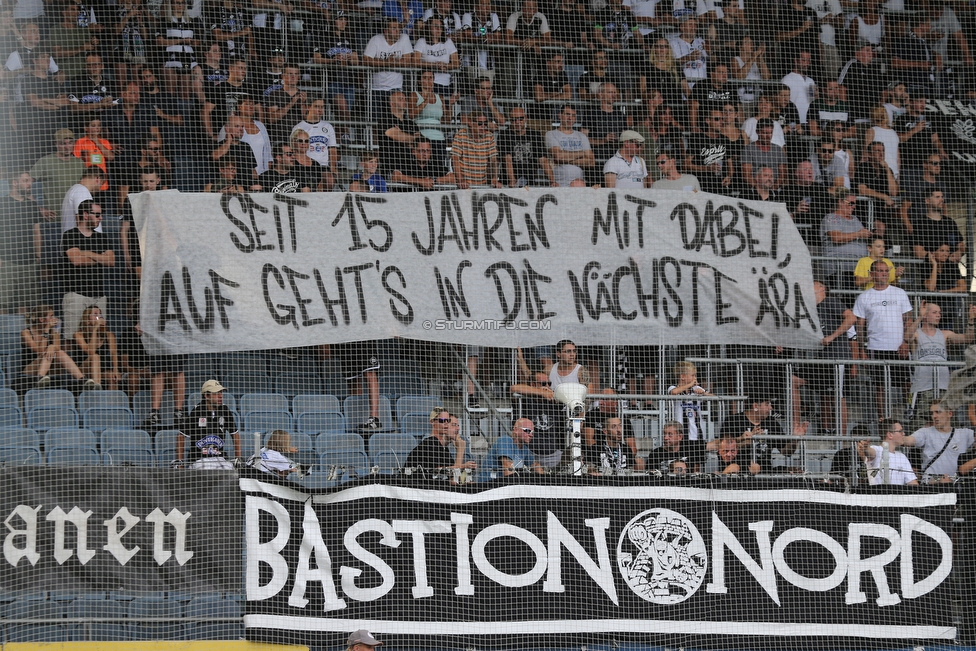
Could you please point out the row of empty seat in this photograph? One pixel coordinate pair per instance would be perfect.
(97, 411)
(129, 447)
(210, 616)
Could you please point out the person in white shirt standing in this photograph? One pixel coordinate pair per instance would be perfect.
(626, 169)
(690, 52)
(883, 324)
(390, 49)
(322, 145)
(803, 89)
(892, 467)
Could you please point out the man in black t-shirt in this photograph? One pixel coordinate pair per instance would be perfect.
(86, 253)
(676, 449)
(20, 219)
(523, 152)
(931, 228)
(433, 452)
(281, 178)
(711, 95)
(211, 427)
(710, 156)
(223, 98)
(920, 139)
(551, 83)
(417, 170)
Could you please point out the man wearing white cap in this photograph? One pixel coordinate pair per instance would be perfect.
(626, 169)
(208, 427)
(362, 639)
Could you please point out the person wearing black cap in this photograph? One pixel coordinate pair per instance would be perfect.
(362, 640)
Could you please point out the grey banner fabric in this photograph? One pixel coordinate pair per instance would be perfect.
(519, 268)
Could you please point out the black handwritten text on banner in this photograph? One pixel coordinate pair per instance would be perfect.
(225, 272)
(536, 559)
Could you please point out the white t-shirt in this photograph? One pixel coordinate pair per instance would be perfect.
(749, 128)
(942, 27)
(543, 22)
(69, 206)
(696, 69)
(643, 9)
(629, 175)
(273, 461)
(439, 53)
(882, 312)
(802, 91)
(14, 63)
(260, 144)
(901, 468)
(828, 35)
(685, 183)
(932, 441)
(321, 136)
(378, 48)
(490, 26)
(575, 141)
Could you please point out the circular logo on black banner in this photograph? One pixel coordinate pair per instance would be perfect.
(662, 557)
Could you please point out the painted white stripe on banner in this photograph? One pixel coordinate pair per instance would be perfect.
(556, 627)
(569, 492)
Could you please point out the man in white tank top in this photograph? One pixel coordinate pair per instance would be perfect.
(566, 369)
(928, 344)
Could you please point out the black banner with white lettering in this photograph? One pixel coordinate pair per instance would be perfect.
(594, 560)
(131, 529)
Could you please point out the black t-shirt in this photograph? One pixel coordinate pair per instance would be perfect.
(87, 91)
(274, 181)
(606, 457)
(736, 426)
(411, 167)
(17, 219)
(309, 176)
(919, 147)
(525, 150)
(430, 454)
(710, 98)
(874, 177)
(864, 85)
(820, 204)
(210, 431)
(243, 156)
(614, 25)
(665, 83)
(706, 150)
(279, 99)
(692, 453)
(549, 418)
(88, 280)
(567, 26)
(786, 116)
(932, 234)
(790, 19)
(225, 96)
(230, 20)
(831, 313)
(599, 124)
(393, 153)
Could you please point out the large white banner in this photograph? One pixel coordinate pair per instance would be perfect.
(519, 268)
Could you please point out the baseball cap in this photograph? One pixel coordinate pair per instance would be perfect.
(61, 134)
(362, 636)
(212, 386)
(628, 135)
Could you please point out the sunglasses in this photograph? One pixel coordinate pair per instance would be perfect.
(527, 430)
(442, 420)
(662, 161)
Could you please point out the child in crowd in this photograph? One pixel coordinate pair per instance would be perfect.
(273, 455)
(369, 180)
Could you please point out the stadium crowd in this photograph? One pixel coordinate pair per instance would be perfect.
(820, 105)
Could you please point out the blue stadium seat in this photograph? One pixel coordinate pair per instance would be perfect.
(20, 446)
(415, 405)
(262, 402)
(211, 610)
(306, 454)
(155, 607)
(335, 385)
(293, 384)
(90, 399)
(45, 418)
(142, 404)
(266, 421)
(32, 608)
(48, 398)
(98, 419)
(8, 398)
(313, 422)
(70, 437)
(241, 382)
(333, 441)
(416, 424)
(126, 447)
(97, 609)
(354, 463)
(10, 327)
(394, 385)
(356, 409)
(319, 402)
(164, 444)
(389, 450)
(11, 416)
